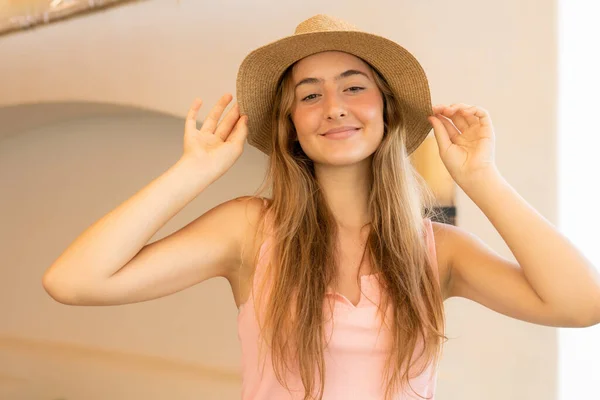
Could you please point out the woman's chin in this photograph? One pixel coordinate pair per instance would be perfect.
(340, 153)
(341, 159)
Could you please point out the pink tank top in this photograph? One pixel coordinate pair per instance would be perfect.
(354, 357)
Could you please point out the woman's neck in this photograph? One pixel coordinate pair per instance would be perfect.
(346, 190)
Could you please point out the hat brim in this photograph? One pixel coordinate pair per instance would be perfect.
(261, 70)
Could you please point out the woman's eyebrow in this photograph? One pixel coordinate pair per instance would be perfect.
(344, 74)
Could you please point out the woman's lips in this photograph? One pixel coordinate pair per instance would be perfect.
(341, 135)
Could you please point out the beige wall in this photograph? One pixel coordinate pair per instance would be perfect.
(131, 73)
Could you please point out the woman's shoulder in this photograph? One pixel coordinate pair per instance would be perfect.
(248, 215)
(442, 237)
(251, 212)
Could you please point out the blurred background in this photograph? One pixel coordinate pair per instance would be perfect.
(93, 96)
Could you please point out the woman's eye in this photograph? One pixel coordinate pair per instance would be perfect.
(309, 97)
(353, 88)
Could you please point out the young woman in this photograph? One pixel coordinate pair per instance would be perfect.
(341, 275)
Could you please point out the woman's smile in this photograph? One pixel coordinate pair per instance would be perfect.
(336, 135)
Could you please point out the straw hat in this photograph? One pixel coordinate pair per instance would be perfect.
(262, 69)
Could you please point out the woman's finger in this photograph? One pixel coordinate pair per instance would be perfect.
(212, 119)
(440, 132)
(228, 122)
(469, 116)
(482, 115)
(240, 131)
(456, 115)
(453, 132)
(192, 115)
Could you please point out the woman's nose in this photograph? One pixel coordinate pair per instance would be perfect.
(334, 107)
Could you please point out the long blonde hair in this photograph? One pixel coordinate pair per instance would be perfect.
(304, 232)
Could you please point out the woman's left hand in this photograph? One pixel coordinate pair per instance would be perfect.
(467, 152)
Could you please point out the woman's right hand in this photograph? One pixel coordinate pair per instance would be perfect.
(216, 145)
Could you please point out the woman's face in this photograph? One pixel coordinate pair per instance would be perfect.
(336, 90)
